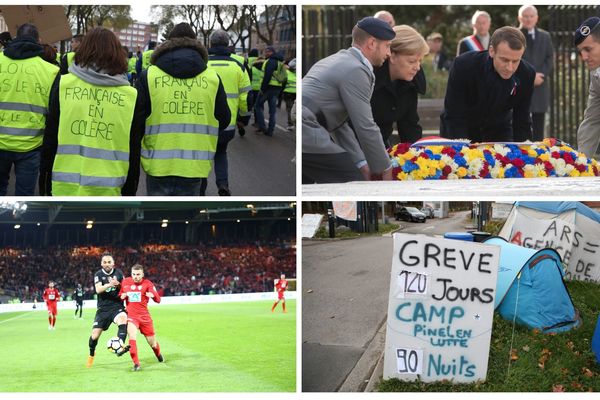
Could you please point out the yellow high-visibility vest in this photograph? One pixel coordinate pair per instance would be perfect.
(146, 59)
(236, 84)
(24, 95)
(290, 86)
(92, 157)
(181, 133)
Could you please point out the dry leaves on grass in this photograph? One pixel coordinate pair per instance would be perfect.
(513, 355)
(558, 388)
(543, 358)
(570, 345)
(587, 372)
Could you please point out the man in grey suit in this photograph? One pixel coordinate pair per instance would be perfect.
(539, 52)
(337, 89)
(587, 40)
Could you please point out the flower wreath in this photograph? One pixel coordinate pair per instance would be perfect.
(463, 160)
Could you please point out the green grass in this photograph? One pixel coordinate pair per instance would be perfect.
(226, 347)
(569, 363)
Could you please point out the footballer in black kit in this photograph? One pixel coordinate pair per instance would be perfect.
(107, 282)
(109, 302)
(78, 297)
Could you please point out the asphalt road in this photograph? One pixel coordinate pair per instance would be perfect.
(345, 288)
(258, 165)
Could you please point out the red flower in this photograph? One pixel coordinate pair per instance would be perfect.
(568, 159)
(595, 170)
(580, 167)
(424, 155)
(449, 151)
(446, 170)
(548, 167)
(517, 162)
(402, 148)
(485, 170)
(555, 154)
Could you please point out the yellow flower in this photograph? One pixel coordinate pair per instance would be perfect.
(574, 172)
(545, 157)
(461, 172)
(436, 149)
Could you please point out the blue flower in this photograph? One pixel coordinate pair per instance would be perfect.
(409, 166)
(460, 161)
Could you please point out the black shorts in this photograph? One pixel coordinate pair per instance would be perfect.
(104, 318)
(79, 302)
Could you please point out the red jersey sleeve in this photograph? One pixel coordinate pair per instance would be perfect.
(152, 290)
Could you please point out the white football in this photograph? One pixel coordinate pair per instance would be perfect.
(114, 344)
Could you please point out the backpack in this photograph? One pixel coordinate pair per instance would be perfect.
(280, 74)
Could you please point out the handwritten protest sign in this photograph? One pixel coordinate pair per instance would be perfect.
(441, 307)
(578, 244)
(310, 224)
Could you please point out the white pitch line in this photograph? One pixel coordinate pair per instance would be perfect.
(10, 319)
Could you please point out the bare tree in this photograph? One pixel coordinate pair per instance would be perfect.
(271, 14)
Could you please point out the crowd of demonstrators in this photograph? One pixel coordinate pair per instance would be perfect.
(176, 269)
(77, 127)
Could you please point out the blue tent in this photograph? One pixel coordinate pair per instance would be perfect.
(558, 207)
(530, 288)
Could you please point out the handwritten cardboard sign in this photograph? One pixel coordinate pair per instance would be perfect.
(50, 20)
(441, 308)
(578, 244)
(310, 224)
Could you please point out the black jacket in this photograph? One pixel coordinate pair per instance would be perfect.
(272, 63)
(181, 58)
(23, 48)
(396, 101)
(483, 107)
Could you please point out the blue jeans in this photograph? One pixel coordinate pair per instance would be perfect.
(27, 169)
(173, 185)
(221, 164)
(270, 96)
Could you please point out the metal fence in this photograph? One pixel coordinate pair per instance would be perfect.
(325, 30)
(570, 78)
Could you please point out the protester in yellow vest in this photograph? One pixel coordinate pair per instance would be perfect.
(185, 108)
(289, 92)
(67, 59)
(26, 82)
(256, 75)
(269, 91)
(91, 145)
(131, 61)
(144, 62)
(237, 85)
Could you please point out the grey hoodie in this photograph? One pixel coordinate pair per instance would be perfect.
(98, 78)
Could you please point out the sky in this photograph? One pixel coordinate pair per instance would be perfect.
(141, 12)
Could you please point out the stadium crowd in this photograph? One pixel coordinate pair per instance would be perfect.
(176, 269)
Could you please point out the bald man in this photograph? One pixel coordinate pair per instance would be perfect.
(386, 17)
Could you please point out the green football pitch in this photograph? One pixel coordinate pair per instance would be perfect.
(225, 347)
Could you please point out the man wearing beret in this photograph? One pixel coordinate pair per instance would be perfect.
(489, 92)
(336, 90)
(587, 40)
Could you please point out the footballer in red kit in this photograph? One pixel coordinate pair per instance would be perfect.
(137, 291)
(281, 286)
(51, 296)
